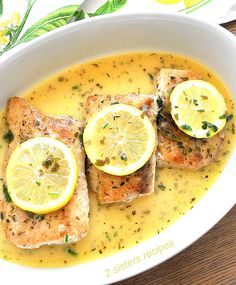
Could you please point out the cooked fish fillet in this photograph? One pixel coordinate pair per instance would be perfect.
(112, 188)
(27, 230)
(175, 148)
(167, 79)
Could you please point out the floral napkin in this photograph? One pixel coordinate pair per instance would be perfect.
(24, 20)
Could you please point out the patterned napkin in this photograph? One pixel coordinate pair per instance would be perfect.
(24, 20)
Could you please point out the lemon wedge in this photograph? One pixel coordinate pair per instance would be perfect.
(198, 108)
(41, 175)
(119, 139)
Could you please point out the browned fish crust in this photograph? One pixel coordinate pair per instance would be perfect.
(68, 224)
(112, 188)
(177, 149)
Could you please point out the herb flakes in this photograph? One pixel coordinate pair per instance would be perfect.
(66, 239)
(161, 186)
(186, 127)
(6, 193)
(8, 137)
(72, 252)
(123, 156)
(151, 76)
(105, 125)
(208, 125)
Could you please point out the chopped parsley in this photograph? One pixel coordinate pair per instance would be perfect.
(8, 137)
(200, 110)
(66, 239)
(100, 162)
(176, 116)
(161, 186)
(55, 167)
(79, 135)
(105, 125)
(227, 117)
(186, 127)
(160, 103)
(48, 161)
(6, 193)
(35, 216)
(76, 87)
(208, 125)
(151, 76)
(72, 252)
(195, 102)
(123, 156)
(222, 117)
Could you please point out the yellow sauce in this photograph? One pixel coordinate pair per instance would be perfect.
(117, 227)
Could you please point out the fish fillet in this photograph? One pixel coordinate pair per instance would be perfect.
(175, 148)
(112, 188)
(27, 230)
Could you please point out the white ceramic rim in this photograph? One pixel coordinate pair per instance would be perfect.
(95, 272)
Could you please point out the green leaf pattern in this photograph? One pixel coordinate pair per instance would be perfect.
(108, 7)
(54, 20)
(1, 7)
(62, 17)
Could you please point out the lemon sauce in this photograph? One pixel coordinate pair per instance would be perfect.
(114, 228)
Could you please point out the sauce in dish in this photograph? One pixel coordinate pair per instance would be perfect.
(115, 227)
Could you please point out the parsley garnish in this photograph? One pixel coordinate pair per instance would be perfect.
(227, 117)
(186, 127)
(222, 117)
(72, 252)
(100, 162)
(105, 125)
(76, 87)
(66, 238)
(159, 102)
(35, 216)
(79, 135)
(195, 102)
(161, 186)
(6, 194)
(123, 156)
(48, 161)
(151, 76)
(8, 137)
(206, 125)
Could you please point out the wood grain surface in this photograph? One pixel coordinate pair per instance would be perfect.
(209, 261)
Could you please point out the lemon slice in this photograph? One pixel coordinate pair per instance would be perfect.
(41, 175)
(119, 139)
(198, 108)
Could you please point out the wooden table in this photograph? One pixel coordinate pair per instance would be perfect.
(209, 261)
